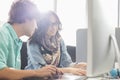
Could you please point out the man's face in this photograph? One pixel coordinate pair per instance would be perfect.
(30, 26)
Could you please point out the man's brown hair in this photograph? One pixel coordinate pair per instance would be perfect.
(22, 10)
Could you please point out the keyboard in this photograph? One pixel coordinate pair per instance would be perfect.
(68, 76)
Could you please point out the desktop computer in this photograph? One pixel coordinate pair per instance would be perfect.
(101, 46)
(101, 49)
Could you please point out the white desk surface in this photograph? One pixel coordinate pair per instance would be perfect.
(75, 77)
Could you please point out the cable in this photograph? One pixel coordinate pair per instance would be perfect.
(117, 65)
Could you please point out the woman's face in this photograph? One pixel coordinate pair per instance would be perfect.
(53, 27)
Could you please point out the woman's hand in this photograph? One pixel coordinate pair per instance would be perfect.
(81, 65)
(77, 71)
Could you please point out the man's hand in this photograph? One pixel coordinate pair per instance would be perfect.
(47, 71)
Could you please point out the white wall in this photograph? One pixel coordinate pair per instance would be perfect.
(4, 9)
(73, 16)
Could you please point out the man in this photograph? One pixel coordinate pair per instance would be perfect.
(22, 21)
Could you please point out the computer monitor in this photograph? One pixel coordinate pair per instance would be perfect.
(81, 46)
(102, 20)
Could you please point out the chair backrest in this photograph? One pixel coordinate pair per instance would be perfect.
(72, 52)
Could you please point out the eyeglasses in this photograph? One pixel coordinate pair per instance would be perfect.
(56, 24)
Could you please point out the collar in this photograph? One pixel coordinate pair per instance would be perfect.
(12, 32)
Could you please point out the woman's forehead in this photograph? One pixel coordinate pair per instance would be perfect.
(53, 18)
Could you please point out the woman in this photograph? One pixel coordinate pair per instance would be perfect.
(46, 47)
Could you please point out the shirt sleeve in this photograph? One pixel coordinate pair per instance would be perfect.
(35, 58)
(3, 52)
(65, 60)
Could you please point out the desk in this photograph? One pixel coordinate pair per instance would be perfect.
(75, 77)
(71, 77)
(67, 76)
